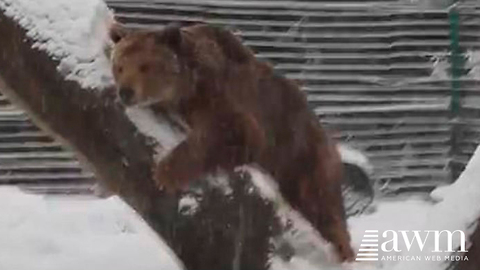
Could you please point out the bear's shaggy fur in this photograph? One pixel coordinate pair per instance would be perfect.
(238, 112)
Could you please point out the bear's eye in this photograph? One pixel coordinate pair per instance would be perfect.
(120, 70)
(144, 68)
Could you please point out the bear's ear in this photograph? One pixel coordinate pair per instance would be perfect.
(172, 36)
(117, 32)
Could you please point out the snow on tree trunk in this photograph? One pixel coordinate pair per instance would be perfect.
(457, 208)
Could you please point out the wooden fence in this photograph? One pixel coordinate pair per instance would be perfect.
(33, 160)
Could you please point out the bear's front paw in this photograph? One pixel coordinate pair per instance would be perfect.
(345, 253)
(164, 180)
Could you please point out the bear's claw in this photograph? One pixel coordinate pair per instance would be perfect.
(164, 182)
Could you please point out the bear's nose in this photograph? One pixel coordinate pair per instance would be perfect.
(126, 94)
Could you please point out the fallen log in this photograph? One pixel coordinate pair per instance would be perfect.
(473, 262)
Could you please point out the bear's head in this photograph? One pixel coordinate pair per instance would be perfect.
(146, 65)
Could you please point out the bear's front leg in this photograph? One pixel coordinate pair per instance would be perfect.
(185, 163)
(229, 139)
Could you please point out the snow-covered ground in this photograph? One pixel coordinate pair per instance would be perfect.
(69, 233)
(75, 233)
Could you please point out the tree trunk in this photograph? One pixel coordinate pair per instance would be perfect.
(473, 254)
(225, 232)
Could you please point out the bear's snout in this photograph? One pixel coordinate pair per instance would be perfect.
(126, 94)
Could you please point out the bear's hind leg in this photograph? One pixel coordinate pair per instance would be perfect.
(323, 199)
(323, 207)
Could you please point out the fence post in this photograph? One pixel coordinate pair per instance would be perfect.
(456, 68)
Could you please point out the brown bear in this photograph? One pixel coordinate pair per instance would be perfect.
(238, 112)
